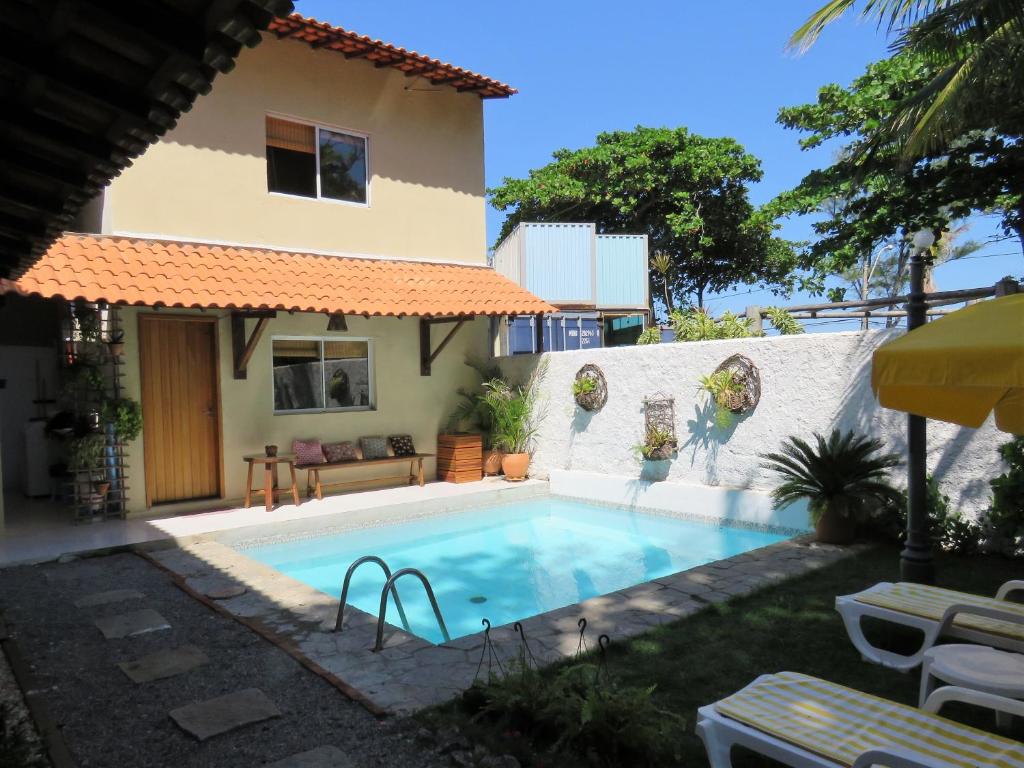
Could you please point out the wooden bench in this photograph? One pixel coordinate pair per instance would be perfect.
(315, 485)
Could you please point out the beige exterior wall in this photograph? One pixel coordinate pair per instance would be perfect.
(207, 180)
(406, 403)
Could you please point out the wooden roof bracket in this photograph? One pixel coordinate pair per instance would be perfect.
(241, 347)
(427, 357)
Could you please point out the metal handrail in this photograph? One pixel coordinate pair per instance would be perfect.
(384, 601)
(348, 578)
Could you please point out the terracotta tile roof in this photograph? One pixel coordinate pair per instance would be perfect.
(121, 270)
(320, 34)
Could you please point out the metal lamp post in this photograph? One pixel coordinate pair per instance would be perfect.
(916, 562)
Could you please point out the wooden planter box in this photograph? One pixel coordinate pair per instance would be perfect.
(460, 458)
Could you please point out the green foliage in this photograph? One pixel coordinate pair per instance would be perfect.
(783, 322)
(581, 713)
(126, 416)
(82, 385)
(471, 412)
(976, 82)
(86, 452)
(948, 529)
(583, 386)
(87, 321)
(658, 444)
(696, 324)
(869, 202)
(1006, 517)
(512, 410)
(722, 386)
(650, 335)
(688, 193)
(845, 474)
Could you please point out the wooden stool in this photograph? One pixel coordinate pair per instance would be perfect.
(269, 477)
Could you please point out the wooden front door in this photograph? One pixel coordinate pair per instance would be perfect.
(180, 407)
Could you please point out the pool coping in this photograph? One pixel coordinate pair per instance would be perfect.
(411, 673)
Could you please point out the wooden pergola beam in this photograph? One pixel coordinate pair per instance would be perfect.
(241, 347)
(428, 356)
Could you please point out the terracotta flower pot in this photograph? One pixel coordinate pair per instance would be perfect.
(515, 465)
(492, 462)
(835, 528)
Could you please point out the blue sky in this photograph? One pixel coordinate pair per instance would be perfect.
(582, 67)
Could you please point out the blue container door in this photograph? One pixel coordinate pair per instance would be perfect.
(572, 332)
(521, 338)
(590, 333)
(554, 337)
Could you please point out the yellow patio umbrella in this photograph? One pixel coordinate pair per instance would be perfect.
(959, 368)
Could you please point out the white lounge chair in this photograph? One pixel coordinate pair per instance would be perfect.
(937, 612)
(807, 722)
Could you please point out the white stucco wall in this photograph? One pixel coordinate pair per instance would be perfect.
(809, 383)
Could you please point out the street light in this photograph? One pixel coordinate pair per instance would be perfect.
(916, 562)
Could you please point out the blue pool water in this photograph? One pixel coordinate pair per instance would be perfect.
(522, 559)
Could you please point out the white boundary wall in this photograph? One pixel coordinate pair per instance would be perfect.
(809, 383)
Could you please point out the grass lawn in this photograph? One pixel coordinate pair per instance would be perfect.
(792, 626)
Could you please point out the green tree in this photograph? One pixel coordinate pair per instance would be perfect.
(869, 202)
(688, 193)
(976, 79)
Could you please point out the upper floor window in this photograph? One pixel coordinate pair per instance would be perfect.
(311, 161)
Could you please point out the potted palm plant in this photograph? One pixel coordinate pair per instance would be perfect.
(513, 423)
(843, 477)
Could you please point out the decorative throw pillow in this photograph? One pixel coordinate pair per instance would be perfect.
(343, 451)
(374, 447)
(308, 451)
(402, 445)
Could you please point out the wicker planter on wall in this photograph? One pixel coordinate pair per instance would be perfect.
(595, 399)
(746, 373)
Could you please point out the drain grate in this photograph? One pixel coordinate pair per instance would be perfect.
(478, 599)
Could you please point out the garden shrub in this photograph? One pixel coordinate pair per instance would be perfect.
(579, 712)
(948, 529)
(1006, 517)
(651, 335)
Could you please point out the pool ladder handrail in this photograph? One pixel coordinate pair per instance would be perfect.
(348, 578)
(390, 584)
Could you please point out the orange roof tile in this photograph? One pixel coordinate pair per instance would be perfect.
(121, 270)
(319, 34)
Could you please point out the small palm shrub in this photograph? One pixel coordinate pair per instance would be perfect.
(696, 324)
(511, 410)
(844, 476)
(651, 335)
(783, 322)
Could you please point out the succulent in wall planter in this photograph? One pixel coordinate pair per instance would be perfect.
(589, 388)
(658, 445)
(734, 387)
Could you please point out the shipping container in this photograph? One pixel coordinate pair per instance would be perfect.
(622, 281)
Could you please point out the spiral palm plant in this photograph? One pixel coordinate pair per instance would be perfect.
(843, 477)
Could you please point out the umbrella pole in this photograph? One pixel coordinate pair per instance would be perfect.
(916, 561)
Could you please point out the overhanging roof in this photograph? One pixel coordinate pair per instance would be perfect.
(121, 270)
(87, 85)
(352, 45)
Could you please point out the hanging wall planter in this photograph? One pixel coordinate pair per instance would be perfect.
(659, 429)
(589, 388)
(734, 388)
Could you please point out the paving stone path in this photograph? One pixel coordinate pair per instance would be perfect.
(237, 700)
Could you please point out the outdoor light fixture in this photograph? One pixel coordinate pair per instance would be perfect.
(336, 322)
(916, 561)
(923, 239)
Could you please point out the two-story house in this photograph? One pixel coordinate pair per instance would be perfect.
(303, 255)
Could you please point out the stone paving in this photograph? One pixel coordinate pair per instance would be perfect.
(411, 673)
(206, 719)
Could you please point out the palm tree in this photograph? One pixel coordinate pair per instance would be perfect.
(978, 49)
(661, 263)
(842, 477)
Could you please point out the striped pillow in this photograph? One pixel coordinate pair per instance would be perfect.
(308, 451)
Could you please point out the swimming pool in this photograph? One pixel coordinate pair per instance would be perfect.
(508, 562)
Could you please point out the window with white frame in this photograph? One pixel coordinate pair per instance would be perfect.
(322, 374)
(310, 161)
